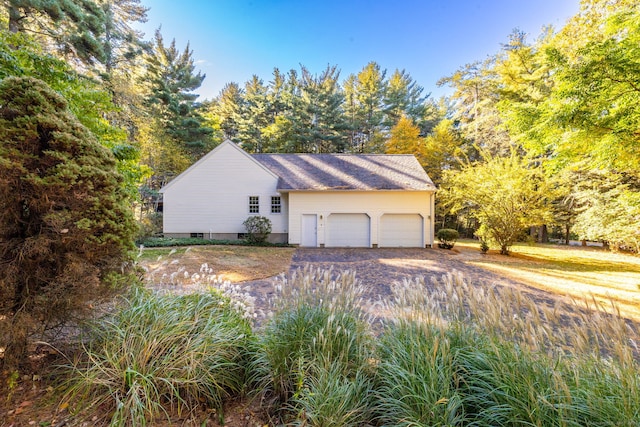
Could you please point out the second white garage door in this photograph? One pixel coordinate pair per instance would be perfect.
(401, 230)
(348, 230)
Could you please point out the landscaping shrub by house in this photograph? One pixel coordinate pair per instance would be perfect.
(447, 237)
(258, 228)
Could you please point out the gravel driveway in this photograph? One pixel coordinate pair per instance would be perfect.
(379, 268)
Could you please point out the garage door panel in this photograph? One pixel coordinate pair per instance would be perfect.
(348, 230)
(401, 230)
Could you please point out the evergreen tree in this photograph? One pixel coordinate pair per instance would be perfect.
(72, 27)
(353, 116)
(276, 99)
(178, 125)
(476, 96)
(66, 225)
(87, 100)
(121, 42)
(254, 115)
(368, 89)
(227, 107)
(403, 96)
(285, 127)
(123, 47)
(277, 135)
(319, 125)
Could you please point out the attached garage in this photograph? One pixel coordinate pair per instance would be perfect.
(348, 230)
(401, 230)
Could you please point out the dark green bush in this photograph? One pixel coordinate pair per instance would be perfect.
(447, 237)
(66, 224)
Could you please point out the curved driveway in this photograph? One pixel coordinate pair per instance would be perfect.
(379, 268)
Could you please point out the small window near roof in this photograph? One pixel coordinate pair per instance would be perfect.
(254, 204)
(276, 205)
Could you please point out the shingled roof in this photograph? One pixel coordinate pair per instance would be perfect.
(299, 172)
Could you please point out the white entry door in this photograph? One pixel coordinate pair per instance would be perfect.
(309, 231)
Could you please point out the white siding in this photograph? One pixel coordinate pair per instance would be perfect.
(213, 195)
(373, 203)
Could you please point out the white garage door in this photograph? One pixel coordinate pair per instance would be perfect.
(348, 230)
(401, 230)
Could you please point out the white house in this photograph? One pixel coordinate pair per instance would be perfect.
(312, 200)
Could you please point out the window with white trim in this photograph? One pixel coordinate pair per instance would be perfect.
(254, 204)
(276, 205)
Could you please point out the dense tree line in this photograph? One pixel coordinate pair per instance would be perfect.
(314, 113)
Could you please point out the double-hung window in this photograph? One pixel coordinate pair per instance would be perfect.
(276, 205)
(254, 204)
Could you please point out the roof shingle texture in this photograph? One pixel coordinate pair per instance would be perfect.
(346, 171)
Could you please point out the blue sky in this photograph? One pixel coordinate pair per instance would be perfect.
(234, 39)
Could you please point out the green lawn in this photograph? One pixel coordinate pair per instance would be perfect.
(574, 271)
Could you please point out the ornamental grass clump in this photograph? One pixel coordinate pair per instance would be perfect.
(497, 356)
(314, 356)
(159, 355)
(415, 381)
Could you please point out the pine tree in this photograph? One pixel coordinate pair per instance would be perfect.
(319, 126)
(227, 107)
(66, 226)
(121, 42)
(179, 126)
(72, 27)
(366, 112)
(254, 115)
(476, 96)
(403, 96)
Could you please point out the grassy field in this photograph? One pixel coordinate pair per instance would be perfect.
(576, 272)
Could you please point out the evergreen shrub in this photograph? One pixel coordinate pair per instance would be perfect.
(66, 225)
(447, 237)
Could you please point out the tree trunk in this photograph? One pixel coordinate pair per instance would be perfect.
(567, 228)
(543, 235)
(15, 26)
